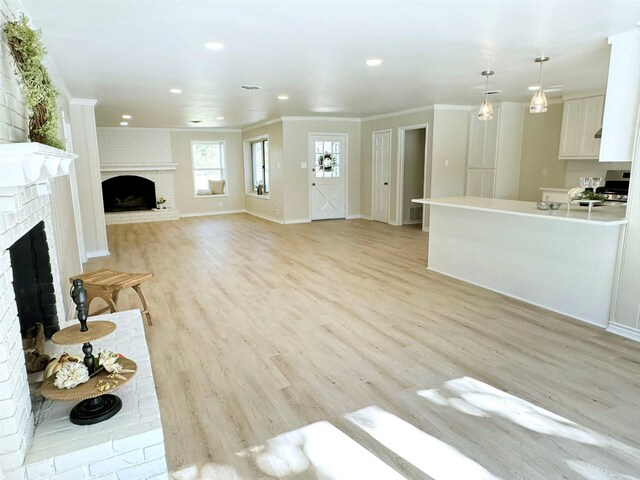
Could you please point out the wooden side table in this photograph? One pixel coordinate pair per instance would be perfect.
(107, 284)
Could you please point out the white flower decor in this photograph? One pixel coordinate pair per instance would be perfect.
(71, 375)
(575, 193)
(109, 361)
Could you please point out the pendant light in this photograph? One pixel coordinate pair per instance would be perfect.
(486, 109)
(539, 100)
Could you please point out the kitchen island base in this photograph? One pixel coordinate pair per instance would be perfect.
(564, 266)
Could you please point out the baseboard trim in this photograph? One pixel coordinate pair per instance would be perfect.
(506, 294)
(356, 217)
(215, 212)
(98, 253)
(297, 220)
(266, 217)
(624, 331)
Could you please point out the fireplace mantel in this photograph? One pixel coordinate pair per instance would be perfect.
(30, 162)
(137, 167)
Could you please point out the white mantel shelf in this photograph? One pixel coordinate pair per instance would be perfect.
(30, 162)
(607, 215)
(137, 167)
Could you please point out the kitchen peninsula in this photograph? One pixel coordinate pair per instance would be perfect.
(563, 260)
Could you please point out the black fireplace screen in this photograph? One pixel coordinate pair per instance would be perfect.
(128, 193)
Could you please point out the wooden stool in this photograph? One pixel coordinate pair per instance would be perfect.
(107, 284)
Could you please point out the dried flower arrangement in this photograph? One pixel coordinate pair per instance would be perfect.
(39, 92)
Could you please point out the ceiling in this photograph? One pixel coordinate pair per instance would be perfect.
(127, 54)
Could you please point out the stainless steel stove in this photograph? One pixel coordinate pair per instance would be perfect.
(616, 186)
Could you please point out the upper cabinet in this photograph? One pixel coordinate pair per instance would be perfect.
(623, 97)
(581, 119)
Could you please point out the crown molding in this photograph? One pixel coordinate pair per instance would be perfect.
(398, 113)
(261, 124)
(463, 108)
(177, 129)
(320, 119)
(83, 101)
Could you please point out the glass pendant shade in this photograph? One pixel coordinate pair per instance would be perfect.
(538, 102)
(486, 111)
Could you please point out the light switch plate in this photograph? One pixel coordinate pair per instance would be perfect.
(303, 164)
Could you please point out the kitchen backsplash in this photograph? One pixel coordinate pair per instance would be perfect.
(590, 168)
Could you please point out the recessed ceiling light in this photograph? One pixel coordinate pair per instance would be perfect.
(124, 124)
(533, 88)
(374, 62)
(284, 96)
(214, 45)
(251, 87)
(219, 118)
(175, 90)
(126, 116)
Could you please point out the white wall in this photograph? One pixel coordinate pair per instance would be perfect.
(540, 146)
(269, 206)
(391, 121)
(87, 167)
(449, 151)
(295, 136)
(509, 150)
(590, 168)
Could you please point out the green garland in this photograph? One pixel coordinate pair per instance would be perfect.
(39, 92)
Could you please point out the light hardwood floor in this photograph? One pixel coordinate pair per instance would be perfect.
(262, 329)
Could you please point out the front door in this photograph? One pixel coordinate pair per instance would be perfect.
(328, 162)
(381, 171)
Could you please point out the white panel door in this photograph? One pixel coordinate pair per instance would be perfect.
(328, 161)
(480, 182)
(381, 172)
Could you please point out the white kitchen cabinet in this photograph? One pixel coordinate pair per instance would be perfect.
(494, 146)
(483, 140)
(481, 182)
(581, 119)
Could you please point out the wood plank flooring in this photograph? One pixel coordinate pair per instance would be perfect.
(267, 337)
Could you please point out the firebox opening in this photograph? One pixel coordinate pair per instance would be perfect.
(126, 193)
(33, 282)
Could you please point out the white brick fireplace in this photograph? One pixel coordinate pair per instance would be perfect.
(37, 440)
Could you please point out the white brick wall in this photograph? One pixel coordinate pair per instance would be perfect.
(128, 446)
(16, 418)
(133, 145)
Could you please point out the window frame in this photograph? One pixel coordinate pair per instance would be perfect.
(250, 190)
(223, 154)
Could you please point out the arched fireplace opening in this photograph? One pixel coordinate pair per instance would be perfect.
(126, 193)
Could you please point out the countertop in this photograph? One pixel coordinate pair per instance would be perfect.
(605, 215)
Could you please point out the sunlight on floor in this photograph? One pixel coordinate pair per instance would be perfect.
(331, 454)
(474, 397)
(434, 457)
(326, 452)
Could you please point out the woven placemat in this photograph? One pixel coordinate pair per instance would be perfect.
(88, 389)
(73, 336)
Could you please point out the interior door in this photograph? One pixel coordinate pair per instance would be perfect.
(328, 160)
(480, 182)
(381, 171)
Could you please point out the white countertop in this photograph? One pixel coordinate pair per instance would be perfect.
(605, 215)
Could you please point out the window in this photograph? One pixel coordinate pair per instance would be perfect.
(260, 165)
(328, 159)
(209, 172)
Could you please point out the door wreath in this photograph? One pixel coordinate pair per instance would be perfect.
(326, 162)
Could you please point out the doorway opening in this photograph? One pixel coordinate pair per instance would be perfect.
(414, 175)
